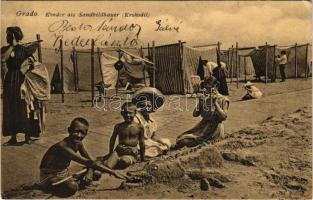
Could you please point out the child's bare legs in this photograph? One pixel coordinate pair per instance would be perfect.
(125, 161)
(120, 162)
(112, 160)
(65, 189)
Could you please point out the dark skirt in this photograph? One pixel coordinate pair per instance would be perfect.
(220, 75)
(15, 118)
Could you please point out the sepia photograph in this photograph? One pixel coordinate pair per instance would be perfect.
(156, 99)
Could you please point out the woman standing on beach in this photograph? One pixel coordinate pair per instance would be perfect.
(15, 118)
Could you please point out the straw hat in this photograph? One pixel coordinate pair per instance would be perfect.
(151, 94)
(248, 84)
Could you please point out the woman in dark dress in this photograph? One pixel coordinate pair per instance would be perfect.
(15, 119)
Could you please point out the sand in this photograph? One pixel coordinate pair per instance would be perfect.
(267, 152)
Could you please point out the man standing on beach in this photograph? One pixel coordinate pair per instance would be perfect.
(282, 64)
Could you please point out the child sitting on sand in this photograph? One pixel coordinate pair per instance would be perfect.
(129, 134)
(252, 92)
(54, 164)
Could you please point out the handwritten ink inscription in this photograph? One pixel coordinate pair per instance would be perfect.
(105, 31)
(164, 25)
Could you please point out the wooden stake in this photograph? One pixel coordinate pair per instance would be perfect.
(231, 61)
(237, 71)
(149, 50)
(296, 62)
(245, 68)
(76, 65)
(144, 67)
(62, 71)
(74, 69)
(92, 71)
(42, 115)
(219, 50)
(99, 60)
(118, 75)
(266, 61)
(154, 61)
(228, 62)
(274, 63)
(181, 66)
(239, 65)
(39, 49)
(306, 61)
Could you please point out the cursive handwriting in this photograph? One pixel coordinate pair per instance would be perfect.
(165, 26)
(65, 25)
(106, 32)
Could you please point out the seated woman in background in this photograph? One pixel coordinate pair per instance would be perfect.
(252, 92)
(212, 107)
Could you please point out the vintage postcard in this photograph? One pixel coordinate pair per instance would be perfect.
(156, 99)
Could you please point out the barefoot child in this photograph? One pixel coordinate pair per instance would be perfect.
(54, 164)
(129, 134)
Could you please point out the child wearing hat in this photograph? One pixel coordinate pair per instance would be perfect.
(252, 92)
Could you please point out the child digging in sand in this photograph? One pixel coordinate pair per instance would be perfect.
(54, 164)
(129, 134)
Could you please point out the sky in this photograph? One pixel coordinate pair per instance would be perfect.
(249, 23)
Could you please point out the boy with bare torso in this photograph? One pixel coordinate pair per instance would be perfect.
(54, 164)
(129, 134)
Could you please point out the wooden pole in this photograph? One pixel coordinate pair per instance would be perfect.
(237, 71)
(266, 61)
(76, 66)
(228, 66)
(154, 61)
(306, 61)
(296, 62)
(92, 71)
(118, 75)
(181, 66)
(231, 64)
(99, 60)
(42, 115)
(149, 50)
(138, 57)
(245, 67)
(62, 71)
(144, 67)
(219, 50)
(239, 65)
(74, 69)
(141, 52)
(274, 63)
(39, 49)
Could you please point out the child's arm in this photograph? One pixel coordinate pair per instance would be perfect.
(76, 157)
(84, 152)
(113, 139)
(142, 144)
(222, 112)
(197, 111)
